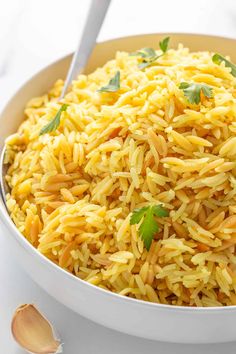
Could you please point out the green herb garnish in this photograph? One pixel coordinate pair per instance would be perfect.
(149, 226)
(55, 122)
(192, 91)
(164, 44)
(149, 54)
(217, 59)
(145, 53)
(113, 85)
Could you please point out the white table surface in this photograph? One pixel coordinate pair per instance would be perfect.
(32, 34)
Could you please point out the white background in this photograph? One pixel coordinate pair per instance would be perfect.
(34, 33)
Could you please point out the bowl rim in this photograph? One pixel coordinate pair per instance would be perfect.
(30, 249)
(52, 62)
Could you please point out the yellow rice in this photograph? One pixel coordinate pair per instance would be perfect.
(73, 190)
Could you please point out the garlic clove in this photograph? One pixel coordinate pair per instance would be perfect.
(33, 332)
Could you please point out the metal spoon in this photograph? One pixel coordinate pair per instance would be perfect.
(97, 12)
(95, 18)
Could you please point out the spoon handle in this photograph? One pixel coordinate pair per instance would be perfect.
(96, 15)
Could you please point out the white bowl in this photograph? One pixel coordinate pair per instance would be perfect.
(143, 319)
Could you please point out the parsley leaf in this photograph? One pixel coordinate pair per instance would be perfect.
(148, 226)
(113, 85)
(164, 44)
(149, 54)
(55, 122)
(145, 53)
(137, 215)
(158, 210)
(192, 91)
(217, 59)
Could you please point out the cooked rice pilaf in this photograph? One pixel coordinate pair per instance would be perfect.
(73, 190)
